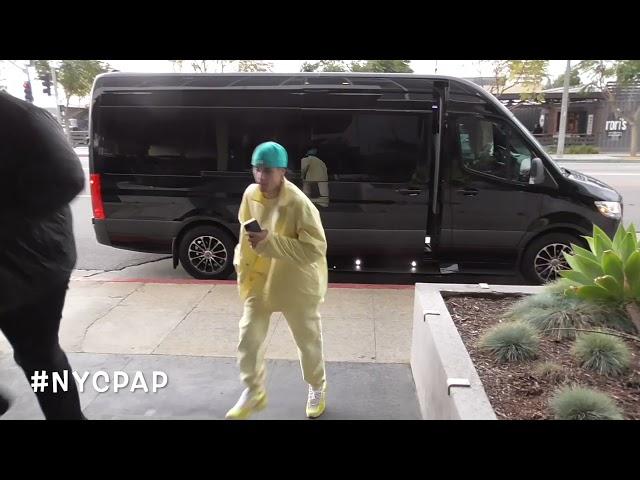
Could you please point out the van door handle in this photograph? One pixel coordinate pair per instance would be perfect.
(469, 192)
(409, 191)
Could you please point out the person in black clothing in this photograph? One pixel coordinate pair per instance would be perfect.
(39, 176)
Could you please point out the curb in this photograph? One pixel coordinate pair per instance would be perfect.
(181, 281)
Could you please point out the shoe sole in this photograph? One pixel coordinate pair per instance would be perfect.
(316, 415)
(261, 405)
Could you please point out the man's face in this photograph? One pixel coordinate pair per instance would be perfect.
(269, 179)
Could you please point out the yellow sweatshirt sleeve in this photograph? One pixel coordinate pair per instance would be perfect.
(243, 212)
(309, 247)
(243, 216)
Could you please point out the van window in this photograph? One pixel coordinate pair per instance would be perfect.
(354, 146)
(248, 128)
(187, 141)
(370, 147)
(491, 147)
(161, 141)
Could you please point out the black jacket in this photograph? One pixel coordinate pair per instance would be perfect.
(39, 175)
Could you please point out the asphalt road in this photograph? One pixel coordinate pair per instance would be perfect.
(92, 256)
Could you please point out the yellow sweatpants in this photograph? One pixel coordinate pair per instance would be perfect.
(304, 323)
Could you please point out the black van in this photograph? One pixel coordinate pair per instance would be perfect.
(407, 171)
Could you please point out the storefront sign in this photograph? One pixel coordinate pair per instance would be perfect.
(616, 125)
(590, 124)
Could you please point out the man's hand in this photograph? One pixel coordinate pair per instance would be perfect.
(256, 238)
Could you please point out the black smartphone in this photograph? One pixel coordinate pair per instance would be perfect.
(252, 226)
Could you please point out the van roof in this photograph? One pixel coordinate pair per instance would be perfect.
(385, 81)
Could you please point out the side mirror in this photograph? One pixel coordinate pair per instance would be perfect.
(536, 176)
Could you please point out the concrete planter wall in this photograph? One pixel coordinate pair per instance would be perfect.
(447, 382)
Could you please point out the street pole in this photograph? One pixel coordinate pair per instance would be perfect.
(54, 80)
(26, 70)
(563, 111)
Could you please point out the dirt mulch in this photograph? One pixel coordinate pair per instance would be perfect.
(515, 392)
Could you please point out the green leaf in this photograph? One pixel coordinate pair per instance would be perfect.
(571, 260)
(586, 266)
(598, 245)
(632, 273)
(612, 265)
(618, 238)
(583, 252)
(610, 285)
(576, 277)
(632, 231)
(590, 242)
(604, 238)
(594, 293)
(627, 247)
(572, 291)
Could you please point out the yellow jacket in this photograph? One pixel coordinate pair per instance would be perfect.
(290, 265)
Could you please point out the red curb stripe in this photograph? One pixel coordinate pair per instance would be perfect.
(188, 281)
(177, 281)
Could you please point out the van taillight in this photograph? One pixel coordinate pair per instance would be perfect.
(96, 197)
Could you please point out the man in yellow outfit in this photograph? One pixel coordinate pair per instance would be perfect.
(282, 268)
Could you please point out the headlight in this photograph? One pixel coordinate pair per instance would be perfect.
(610, 209)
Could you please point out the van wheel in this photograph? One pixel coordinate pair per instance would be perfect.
(206, 252)
(543, 259)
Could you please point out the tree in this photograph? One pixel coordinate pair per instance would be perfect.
(526, 73)
(177, 65)
(199, 65)
(628, 71)
(325, 66)
(625, 73)
(596, 73)
(204, 66)
(574, 80)
(75, 76)
(254, 66)
(374, 66)
(382, 66)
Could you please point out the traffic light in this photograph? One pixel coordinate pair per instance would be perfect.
(46, 83)
(28, 95)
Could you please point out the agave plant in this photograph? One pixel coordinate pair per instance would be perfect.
(608, 272)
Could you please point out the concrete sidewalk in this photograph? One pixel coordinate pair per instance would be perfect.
(597, 158)
(190, 330)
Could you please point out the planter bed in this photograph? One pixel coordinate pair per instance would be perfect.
(514, 389)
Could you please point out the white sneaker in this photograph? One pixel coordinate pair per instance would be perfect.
(316, 402)
(247, 404)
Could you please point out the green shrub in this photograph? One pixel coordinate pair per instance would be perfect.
(557, 316)
(544, 300)
(549, 371)
(557, 286)
(577, 403)
(602, 353)
(589, 149)
(609, 272)
(554, 314)
(511, 342)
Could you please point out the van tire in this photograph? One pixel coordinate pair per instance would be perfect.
(194, 245)
(541, 253)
